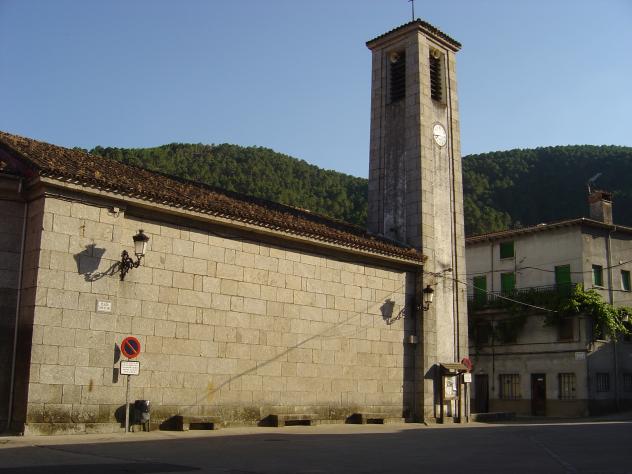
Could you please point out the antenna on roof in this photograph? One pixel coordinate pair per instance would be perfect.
(412, 5)
(591, 181)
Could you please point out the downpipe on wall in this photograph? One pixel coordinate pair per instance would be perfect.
(17, 308)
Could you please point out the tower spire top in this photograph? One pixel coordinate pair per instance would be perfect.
(412, 6)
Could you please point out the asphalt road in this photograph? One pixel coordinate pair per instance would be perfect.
(593, 447)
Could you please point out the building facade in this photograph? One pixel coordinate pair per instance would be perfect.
(521, 363)
(243, 308)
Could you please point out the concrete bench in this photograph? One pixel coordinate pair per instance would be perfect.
(186, 423)
(279, 420)
(363, 418)
(493, 416)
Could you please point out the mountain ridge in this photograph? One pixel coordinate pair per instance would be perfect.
(502, 189)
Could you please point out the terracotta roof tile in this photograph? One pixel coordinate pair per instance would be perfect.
(504, 234)
(34, 157)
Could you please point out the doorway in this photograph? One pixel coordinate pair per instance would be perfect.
(538, 394)
(481, 393)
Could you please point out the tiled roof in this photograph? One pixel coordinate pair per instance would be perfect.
(504, 234)
(425, 26)
(34, 158)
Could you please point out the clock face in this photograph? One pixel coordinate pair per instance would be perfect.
(439, 135)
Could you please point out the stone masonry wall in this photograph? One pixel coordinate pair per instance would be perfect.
(229, 327)
(11, 216)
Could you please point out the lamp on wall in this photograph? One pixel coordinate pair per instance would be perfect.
(428, 296)
(140, 245)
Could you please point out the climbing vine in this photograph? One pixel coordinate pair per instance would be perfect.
(609, 321)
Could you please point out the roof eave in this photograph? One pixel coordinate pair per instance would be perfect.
(501, 235)
(199, 215)
(419, 25)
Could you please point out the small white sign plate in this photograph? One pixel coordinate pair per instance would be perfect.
(467, 377)
(580, 355)
(130, 367)
(104, 306)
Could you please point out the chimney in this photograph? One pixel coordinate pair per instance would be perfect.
(600, 203)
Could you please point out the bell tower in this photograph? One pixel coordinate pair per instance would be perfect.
(415, 184)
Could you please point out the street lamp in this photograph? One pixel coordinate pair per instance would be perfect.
(140, 245)
(428, 296)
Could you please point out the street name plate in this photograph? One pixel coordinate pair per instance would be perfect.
(130, 367)
(580, 356)
(104, 306)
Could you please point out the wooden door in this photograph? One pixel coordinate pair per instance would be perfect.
(481, 393)
(538, 394)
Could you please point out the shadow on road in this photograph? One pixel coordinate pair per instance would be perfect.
(596, 447)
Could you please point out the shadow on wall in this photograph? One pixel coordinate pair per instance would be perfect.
(88, 262)
(388, 310)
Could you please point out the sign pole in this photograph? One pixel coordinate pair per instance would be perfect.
(127, 405)
(130, 348)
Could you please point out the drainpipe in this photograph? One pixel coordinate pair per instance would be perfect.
(455, 261)
(617, 401)
(17, 310)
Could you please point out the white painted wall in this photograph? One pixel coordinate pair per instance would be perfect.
(544, 250)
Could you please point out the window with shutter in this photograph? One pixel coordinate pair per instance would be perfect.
(507, 249)
(480, 289)
(597, 271)
(507, 283)
(398, 75)
(436, 79)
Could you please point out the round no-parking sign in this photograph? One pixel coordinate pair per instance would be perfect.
(130, 347)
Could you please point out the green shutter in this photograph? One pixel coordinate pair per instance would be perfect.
(480, 289)
(507, 283)
(597, 271)
(507, 249)
(563, 278)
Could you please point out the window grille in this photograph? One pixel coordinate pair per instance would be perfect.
(627, 382)
(603, 382)
(509, 386)
(567, 386)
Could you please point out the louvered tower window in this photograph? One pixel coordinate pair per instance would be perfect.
(397, 61)
(436, 72)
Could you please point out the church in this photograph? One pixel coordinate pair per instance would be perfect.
(243, 310)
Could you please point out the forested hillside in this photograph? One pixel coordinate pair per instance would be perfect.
(526, 187)
(256, 171)
(502, 189)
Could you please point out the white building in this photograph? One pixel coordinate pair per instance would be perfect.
(524, 366)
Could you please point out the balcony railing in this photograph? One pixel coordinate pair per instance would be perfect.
(535, 295)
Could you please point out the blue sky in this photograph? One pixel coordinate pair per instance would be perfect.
(294, 75)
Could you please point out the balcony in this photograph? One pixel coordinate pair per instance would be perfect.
(545, 296)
